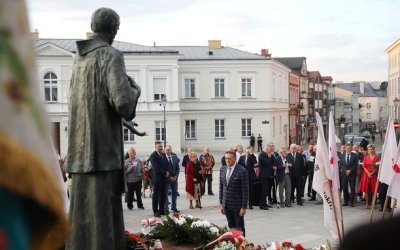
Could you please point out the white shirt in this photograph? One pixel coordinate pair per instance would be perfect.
(229, 172)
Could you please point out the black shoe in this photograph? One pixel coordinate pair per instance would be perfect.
(175, 210)
(312, 199)
(162, 213)
(351, 204)
(309, 195)
(130, 207)
(157, 214)
(300, 203)
(177, 194)
(345, 204)
(264, 208)
(166, 211)
(288, 205)
(268, 206)
(250, 207)
(210, 193)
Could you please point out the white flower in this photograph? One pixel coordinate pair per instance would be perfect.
(214, 230)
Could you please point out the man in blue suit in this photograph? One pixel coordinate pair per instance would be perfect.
(159, 165)
(233, 191)
(172, 180)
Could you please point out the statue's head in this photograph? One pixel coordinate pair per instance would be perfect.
(105, 22)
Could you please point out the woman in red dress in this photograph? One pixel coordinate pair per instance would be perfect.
(370, 167)
(193, 180)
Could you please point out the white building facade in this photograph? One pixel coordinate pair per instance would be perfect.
(215, 96)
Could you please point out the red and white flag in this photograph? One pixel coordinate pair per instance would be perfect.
(321, 182)
(394, 186)
(333, 159)
(389, 152)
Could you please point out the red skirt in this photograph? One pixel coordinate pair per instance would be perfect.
(368, 184)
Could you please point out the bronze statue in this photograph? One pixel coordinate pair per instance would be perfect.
(101, 96)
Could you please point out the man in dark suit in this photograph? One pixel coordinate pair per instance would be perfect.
(172, 180)
(233, 191)
(249, 161)
(266, 161)
(298, 171)
(159, 164)
(348, 162)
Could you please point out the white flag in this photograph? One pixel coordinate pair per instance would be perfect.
(333, 159)
(394, 186)
(389, 151)
(321, 183)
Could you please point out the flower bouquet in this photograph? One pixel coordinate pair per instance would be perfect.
(375, 167)
(233, 239)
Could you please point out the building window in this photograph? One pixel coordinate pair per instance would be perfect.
(50, 87)
(160, 131)
(219, 84)
(246, 87)
(368, 115)
(190, 88)
(280, 125)
(368, 105)
(246, 127)
(190, 129)
(219, 128)
(159, 88)
(128, 135)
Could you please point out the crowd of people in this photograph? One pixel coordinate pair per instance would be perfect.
(273, 177)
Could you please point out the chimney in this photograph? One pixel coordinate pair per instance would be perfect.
(214, 44)
(35, 35)
(264, 52)
(362, 86)
(89, 35)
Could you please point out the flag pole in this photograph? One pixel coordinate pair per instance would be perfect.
(341, 215)
(373, 202)
(385, 206)
(379, 172)
(393, 207)
(334, 212)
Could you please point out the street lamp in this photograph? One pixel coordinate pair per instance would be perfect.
(164, 103)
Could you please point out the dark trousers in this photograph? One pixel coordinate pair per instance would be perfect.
(173, 186)
(271, 190)
(346, 182)
(383, 188)
(264, 191)
(235, 220)
(208, 179)
(310, 190)
(297, 184)
(158, 198)
(251, 191)
(134, 187)
(259, 145)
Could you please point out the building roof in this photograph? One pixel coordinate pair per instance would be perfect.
(198, 53)
(397, 42)
(371, 89)
(124, 47)
(314, 75)
(295, 63)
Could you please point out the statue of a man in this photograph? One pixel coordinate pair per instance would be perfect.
(101, 94)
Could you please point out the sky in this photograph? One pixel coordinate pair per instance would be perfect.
(341, 38)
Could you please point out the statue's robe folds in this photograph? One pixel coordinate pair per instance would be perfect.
(101, 94)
